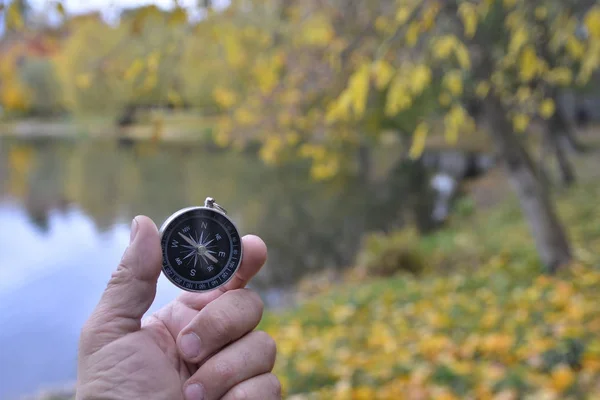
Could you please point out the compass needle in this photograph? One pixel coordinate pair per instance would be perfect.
(211, 258)
(187, 239)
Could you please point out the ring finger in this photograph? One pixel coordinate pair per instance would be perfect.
(261, 387)
(250, 356)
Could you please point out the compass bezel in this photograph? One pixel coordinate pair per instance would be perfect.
(166, 264)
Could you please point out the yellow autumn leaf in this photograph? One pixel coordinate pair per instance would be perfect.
(383, 24)
(592, 22)
(364, 393)
(153, 60)
(270, 150)
(575, 47)
(265, 73)
(420, 78)
(468, 13)
(482, 89)
(419, 139)
(462, 55)
(528, 64)
(14, 19)
(443, 46)
(339, 108)
(244, 116)
(523, 94)
(453, 82)
(14, 97)
(234, 52)
(224, 97)
(325, 169)
(509, 3)
(60, 8)
(223, 132)
(398, 97)
(429, 15)
(547, 108)
(403, 14)
(178, 16)
(518, 39)
(520, 122)
(444, 99)
(134, 70)
(561, 76)
(317, 30)
(589, 64)
(358, 87)
(412, 34)
(541, 13)
(383, 73)
(562, 377)
(455, 119)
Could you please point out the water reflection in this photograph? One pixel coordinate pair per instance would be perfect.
(306, 225)
(65, 210)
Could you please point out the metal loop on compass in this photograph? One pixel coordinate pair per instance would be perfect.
(210, 202)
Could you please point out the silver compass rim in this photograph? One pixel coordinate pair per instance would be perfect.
(170, 220)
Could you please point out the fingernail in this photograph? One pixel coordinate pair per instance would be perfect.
(194, 392)
(190, 345)
(134, 230)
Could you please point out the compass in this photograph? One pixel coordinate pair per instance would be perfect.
(201, 247)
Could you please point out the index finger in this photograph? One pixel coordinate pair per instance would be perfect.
(179, 313)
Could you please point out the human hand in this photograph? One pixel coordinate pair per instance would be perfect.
(200, 346)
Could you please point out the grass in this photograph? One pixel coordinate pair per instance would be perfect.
(481, 323)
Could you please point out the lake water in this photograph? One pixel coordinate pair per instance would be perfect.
(65, 211)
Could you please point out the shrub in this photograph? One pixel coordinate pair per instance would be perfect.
(387, 255)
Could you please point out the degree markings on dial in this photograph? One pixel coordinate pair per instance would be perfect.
(214, 249)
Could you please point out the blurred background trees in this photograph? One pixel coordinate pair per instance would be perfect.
(327, 82)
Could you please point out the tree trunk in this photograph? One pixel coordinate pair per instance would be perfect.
(564, 130)
(567, 172)
(549, 235)
(364, 163)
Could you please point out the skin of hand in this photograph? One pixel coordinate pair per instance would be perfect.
(199, 346)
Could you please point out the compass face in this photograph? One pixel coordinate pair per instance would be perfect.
(201, 249)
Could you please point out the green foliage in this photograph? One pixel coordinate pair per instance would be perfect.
(387, 255)
(39, 77)
(464, 207)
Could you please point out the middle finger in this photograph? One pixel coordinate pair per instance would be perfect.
(222, 321)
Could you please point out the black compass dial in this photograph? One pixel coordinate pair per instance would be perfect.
(201, 249)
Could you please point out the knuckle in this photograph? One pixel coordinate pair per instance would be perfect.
(120, 276)
(224, 372)
(220, 324)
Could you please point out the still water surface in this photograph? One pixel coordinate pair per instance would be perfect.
(65, 211)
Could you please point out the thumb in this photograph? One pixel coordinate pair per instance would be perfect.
(130, 290)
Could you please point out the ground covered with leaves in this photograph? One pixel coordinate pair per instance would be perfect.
(490, 326)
